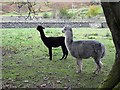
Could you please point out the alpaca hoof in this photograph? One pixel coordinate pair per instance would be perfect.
(96, 72)
(50, 59)
(78, 71)
(64, 58)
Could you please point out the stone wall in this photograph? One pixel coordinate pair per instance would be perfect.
(52, 24)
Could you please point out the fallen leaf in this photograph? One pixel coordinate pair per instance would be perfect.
(58, 82)
(43, 85)
(46, 78)
(26, 81)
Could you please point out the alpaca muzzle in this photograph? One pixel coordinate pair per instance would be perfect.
(63, 31)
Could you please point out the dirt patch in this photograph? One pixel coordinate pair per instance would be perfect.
(9, 50)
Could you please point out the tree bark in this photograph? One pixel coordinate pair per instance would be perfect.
(112, 15)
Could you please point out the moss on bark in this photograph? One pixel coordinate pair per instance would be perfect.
(113, 20)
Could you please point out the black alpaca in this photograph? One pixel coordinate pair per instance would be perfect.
(53, 42)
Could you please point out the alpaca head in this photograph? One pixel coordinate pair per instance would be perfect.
(40, 28)
(67, 29)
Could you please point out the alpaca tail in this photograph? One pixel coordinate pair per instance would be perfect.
(103, 51)
(103, 54)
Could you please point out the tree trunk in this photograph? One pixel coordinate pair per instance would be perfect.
(112, 15)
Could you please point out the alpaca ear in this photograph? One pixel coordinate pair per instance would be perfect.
(71, 29)
(43, 28)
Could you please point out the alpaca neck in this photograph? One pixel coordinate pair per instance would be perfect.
(42, 35)
(68, 39)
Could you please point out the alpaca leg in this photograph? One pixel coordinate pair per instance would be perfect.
(50, 53)
(98, 65)
(63, 50)
(66, 53)
(79, 63)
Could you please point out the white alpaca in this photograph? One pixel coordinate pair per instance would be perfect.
(84, 49)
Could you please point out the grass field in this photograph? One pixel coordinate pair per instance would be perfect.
(26, 62)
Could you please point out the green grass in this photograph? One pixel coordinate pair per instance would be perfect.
(41, 14)
(26, 62)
